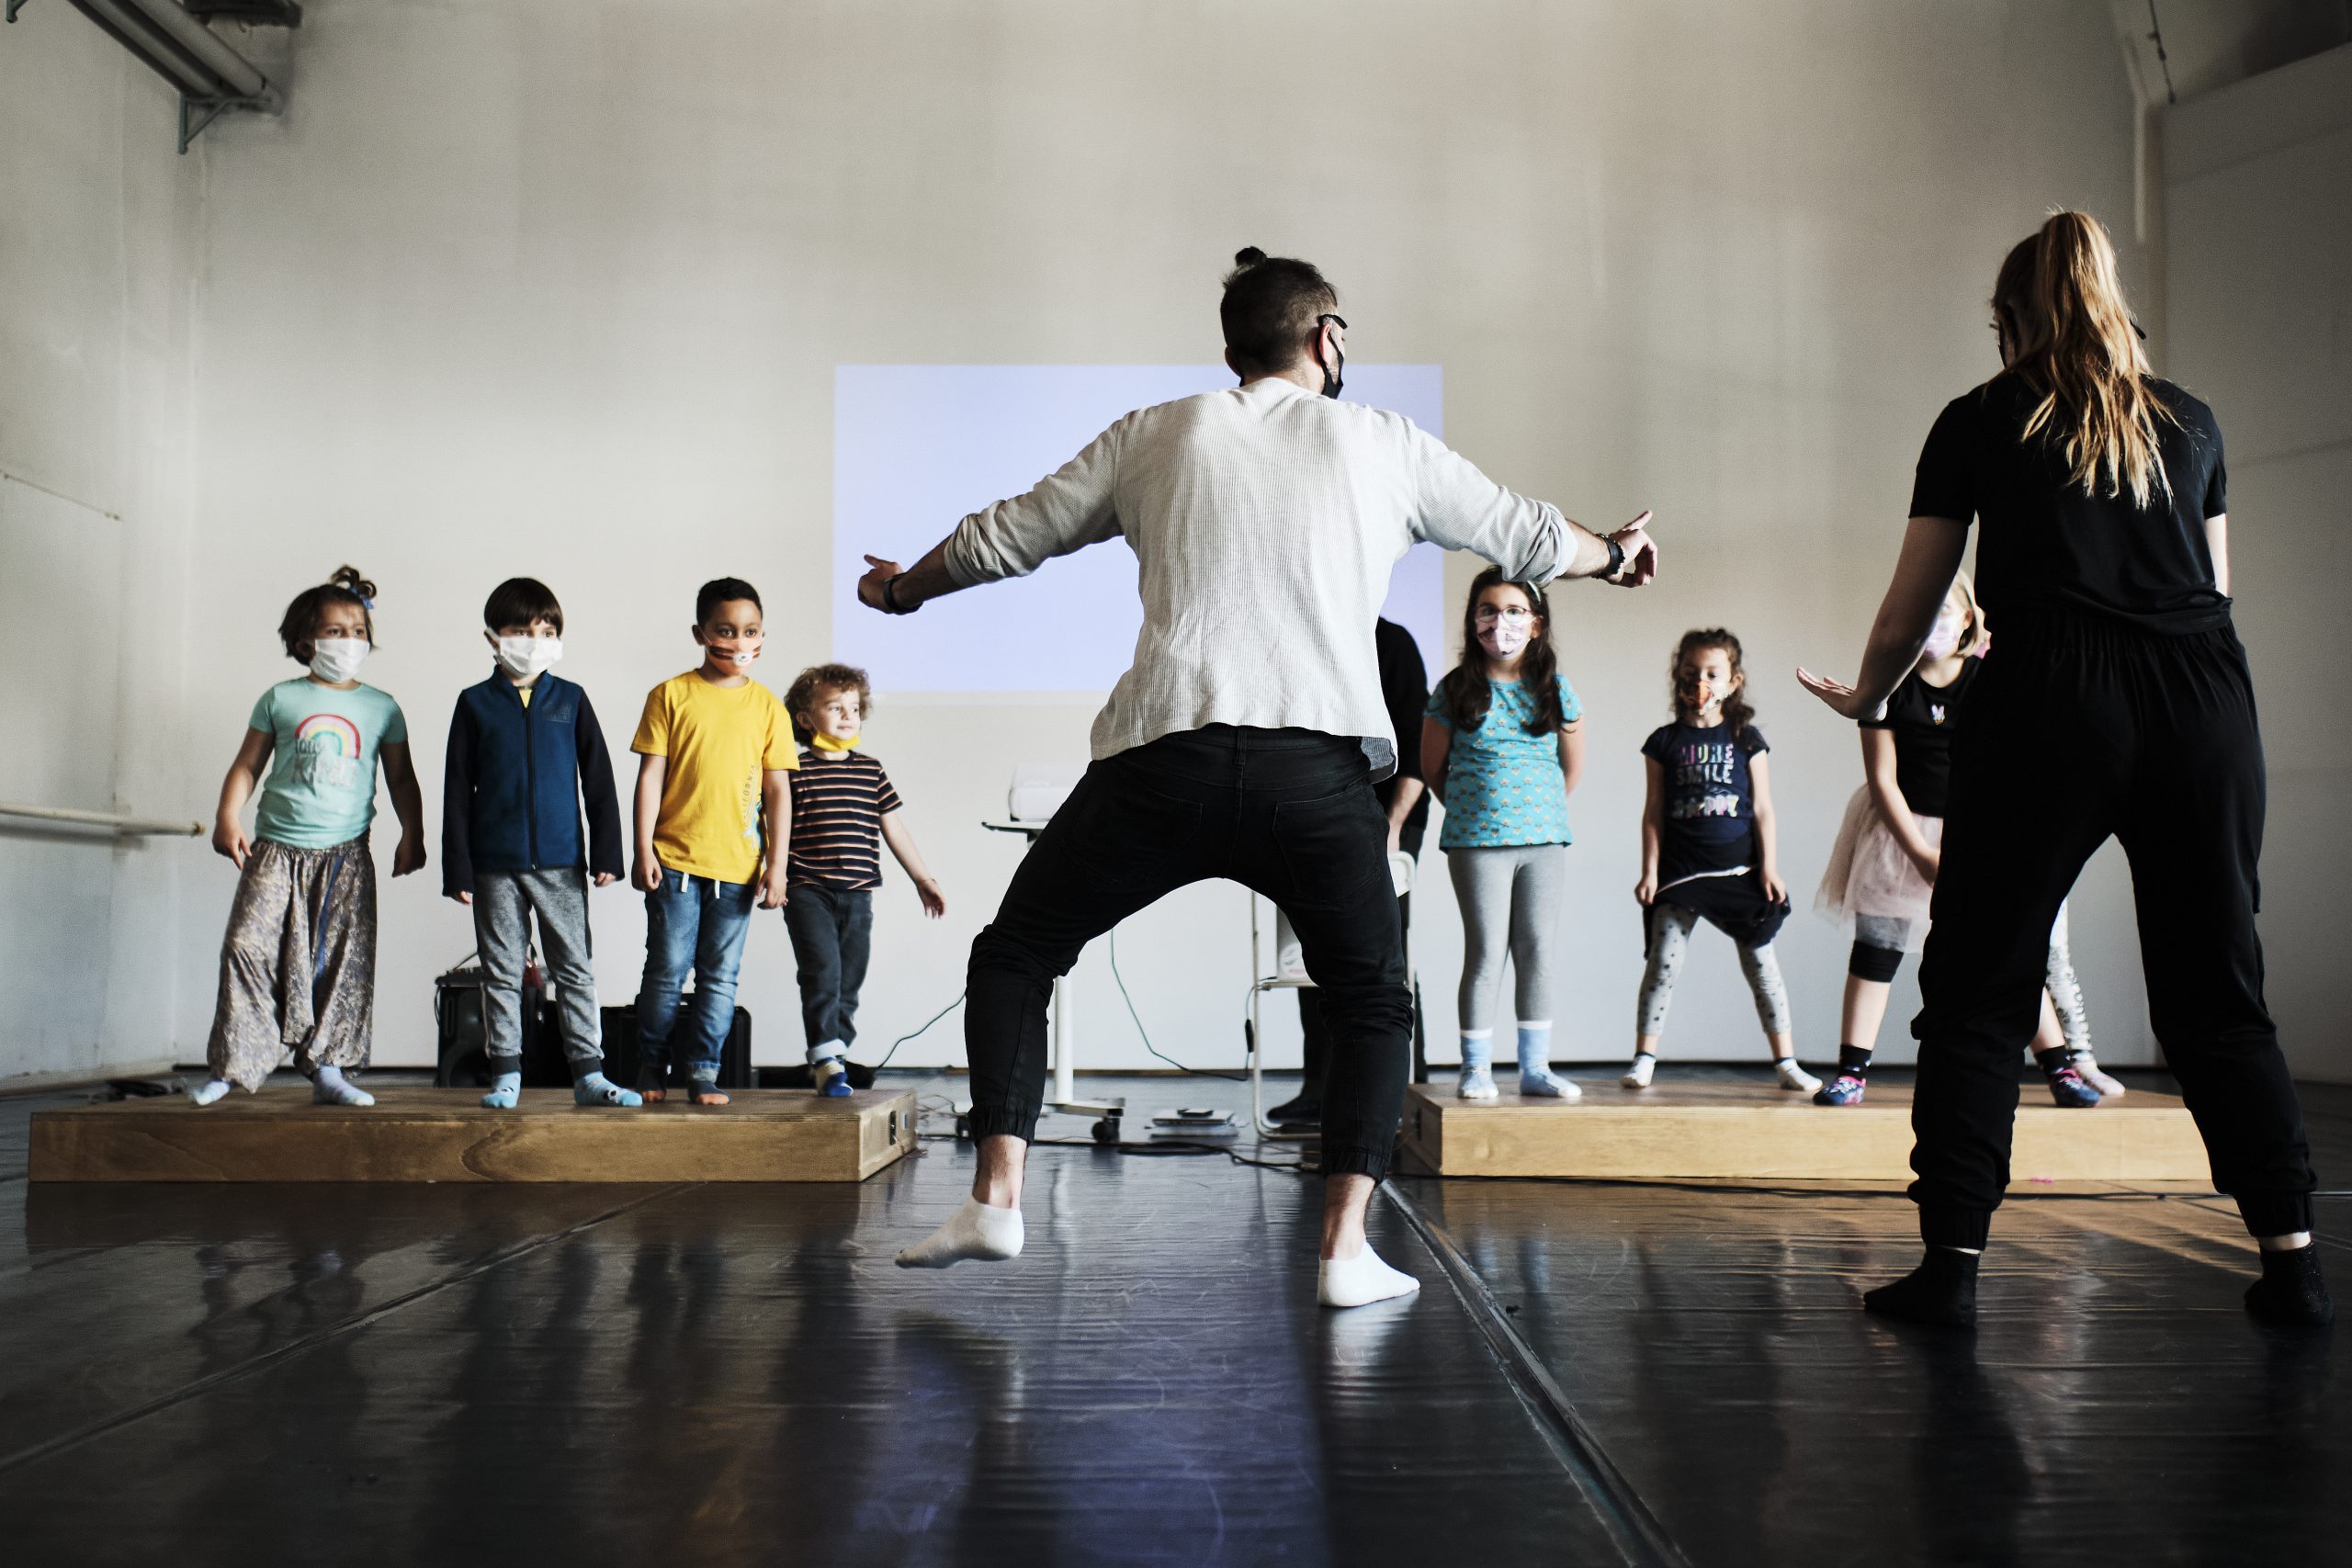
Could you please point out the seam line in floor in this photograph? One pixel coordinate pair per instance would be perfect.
(1639, 1537)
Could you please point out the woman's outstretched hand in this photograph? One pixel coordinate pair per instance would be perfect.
(1841, 698)
(1641, 554)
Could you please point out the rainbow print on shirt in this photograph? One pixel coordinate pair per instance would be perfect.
(327, 752)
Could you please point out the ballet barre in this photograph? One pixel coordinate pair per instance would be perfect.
(148, 827)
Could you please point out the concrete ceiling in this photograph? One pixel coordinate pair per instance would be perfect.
(2212, 43)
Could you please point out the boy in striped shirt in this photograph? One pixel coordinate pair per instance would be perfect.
(842, 810)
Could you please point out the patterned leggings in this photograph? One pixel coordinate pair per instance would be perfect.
(1879, 942)
(1670, 929)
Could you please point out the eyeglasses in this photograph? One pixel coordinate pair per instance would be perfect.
(1517, 616)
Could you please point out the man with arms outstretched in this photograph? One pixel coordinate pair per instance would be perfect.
(1245, 742)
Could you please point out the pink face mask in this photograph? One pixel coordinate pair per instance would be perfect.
(1503, 638)
(1943, 638)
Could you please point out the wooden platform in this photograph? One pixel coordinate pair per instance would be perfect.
(1756, 1132)
(442, 1135)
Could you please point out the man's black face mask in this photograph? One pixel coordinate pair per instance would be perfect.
(1333, 378)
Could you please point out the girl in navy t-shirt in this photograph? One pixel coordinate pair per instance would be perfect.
(1708, 851)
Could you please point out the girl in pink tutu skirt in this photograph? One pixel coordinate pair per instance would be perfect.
(1881, 873)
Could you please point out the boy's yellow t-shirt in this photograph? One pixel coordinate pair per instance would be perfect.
(718, 739)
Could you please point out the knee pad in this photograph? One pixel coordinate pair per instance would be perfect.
(1879, 963)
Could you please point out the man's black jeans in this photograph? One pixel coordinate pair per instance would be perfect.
(1288, 813)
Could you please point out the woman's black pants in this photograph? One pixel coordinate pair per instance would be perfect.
(1288, 813)
(2081, 726)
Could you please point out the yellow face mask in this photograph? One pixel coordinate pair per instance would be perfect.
(824, 743)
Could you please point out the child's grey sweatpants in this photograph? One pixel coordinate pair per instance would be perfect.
(1510, 900)
(504, 904)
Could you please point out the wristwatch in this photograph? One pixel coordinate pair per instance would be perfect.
(1616, 557)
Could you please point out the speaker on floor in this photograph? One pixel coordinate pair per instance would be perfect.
(461, 1029)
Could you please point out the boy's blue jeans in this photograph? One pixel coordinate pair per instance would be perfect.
(692, 924)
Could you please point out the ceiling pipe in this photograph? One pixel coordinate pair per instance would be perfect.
(153, 48)
(201, 41)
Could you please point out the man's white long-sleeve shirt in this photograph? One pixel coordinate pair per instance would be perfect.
(1266, 521)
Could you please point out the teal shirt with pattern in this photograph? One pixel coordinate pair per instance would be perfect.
(1503, 786)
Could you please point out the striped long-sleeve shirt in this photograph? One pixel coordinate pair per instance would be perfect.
(839, 799)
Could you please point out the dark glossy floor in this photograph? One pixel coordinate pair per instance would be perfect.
(708, 1374)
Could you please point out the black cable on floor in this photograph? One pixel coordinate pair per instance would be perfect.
(1145, 1034)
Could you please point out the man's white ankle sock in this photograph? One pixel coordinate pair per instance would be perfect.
(1362, 1279)
(976, 1230)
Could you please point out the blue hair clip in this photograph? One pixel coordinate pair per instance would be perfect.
(366, 603)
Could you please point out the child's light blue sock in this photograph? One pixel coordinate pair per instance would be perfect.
(1535, 1060)
(1478, 1080)
(506, 1089)
(598, 1089)
(329, 1087)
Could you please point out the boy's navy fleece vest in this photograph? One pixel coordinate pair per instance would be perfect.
(525, 814)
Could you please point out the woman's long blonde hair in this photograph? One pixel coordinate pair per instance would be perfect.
(2071, 339)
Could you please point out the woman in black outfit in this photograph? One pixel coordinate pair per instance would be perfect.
(2122, 705)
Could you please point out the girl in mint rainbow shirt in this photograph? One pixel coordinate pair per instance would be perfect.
(298, 964)
(1502, 747)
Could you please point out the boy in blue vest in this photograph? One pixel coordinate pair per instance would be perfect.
(524, 753)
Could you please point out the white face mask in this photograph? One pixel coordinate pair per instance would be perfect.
(1943, 639)
(527, 657)
(335, 660)
(741, 658)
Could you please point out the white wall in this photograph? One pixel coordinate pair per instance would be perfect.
(97, 270)
(558, 289)
(2258, 209)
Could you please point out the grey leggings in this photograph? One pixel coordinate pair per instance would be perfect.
(1510, 901)
(1670, 929)
(1885, 936)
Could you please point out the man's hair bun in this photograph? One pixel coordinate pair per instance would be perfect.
(1247, 256)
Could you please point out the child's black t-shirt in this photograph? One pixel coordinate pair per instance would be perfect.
(1710, 823)
(1923, 718)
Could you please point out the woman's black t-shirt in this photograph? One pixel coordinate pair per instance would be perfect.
(2047, 545)
(1710, 823)
(1923, 718)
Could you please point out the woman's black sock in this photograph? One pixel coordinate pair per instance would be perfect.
(2291, 1289)
(2052, 1060)
(1942, 1291)
(1854, 1059)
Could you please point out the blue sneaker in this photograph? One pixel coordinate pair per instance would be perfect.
(1843, 1089)
(832, 1080)
(2067, 1087)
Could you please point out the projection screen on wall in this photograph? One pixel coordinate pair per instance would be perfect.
(917, 447)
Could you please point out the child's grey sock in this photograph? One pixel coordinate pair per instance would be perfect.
(329, 1087)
